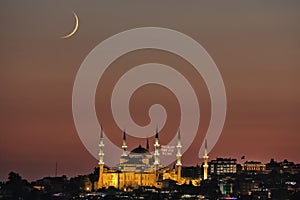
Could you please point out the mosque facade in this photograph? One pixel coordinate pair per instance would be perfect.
(140, 167)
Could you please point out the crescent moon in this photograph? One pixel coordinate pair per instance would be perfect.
(75, 28)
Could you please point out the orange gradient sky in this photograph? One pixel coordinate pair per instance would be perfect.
(255, 45)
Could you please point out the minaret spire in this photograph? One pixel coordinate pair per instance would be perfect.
(205, 150)
(124, 146)
(101, 159)
(147, 144)
(156, 148)
(205, 162)
(101, 133)
(101, 150)
(178, 164)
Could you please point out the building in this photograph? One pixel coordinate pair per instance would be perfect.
(223, 166)
(191, 174)
(139, 167)
(253, 167)
(283, 167)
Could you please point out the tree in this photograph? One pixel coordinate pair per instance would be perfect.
(16, 186)
(94, 177)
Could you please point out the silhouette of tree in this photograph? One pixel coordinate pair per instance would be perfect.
(16, 186)
(94, 177)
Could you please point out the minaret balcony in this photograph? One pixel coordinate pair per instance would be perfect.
(101, 162)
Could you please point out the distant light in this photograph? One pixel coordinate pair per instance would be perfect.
(290, 183)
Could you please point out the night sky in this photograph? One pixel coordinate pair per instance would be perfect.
(255, 44)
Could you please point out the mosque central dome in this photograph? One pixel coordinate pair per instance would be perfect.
(140, 150)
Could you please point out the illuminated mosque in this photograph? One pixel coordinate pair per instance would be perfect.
(142, 168)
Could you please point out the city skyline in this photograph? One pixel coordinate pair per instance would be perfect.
(242, 163)
(255, 46)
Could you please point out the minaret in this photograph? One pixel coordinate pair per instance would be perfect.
(205, 161)
(147, 144)
(178, 164)
(124, 146)
(101, 160)
(156, 153)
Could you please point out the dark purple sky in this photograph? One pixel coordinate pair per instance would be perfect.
(255, 45)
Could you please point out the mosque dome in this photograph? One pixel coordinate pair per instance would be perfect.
(140, 150)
